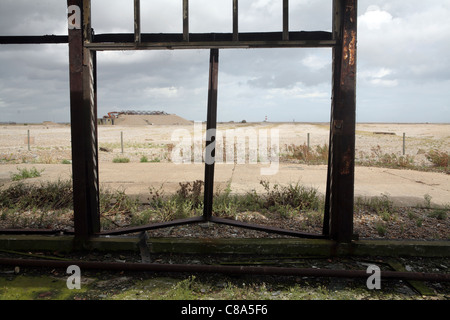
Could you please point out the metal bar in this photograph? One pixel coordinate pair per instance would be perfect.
(343, 117)
(268, 229)
(137, 21)
(210, 45)
(211, 125)
(51, 39)
(235, 20)
(33, 231)
(83, 126)
(336, 34)
(194, 268)
(185, 20)
(152, 226)
(151, 41)
(285, 20)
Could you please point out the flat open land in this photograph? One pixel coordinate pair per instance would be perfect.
(50, 147)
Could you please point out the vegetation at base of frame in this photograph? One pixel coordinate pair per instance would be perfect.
(40, 202)
(188, 202)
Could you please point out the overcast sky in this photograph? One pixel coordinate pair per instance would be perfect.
(403, 62)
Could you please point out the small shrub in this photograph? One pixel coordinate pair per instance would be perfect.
(50, 195)
(440, 214)
(65, 161)
(121, 160)
(144, 159)
(427, 199)
(438, 158)
(192, 192)
(296, 196)
(381, 229)
(26, 174)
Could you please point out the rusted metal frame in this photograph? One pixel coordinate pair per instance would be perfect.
(336, 33)
(34, 231)
(50, 39)
(235, 20)
(137, 21)
(194, 268)
(211, 126)
(340, 180)
(185, 20)
(285, 20)
(151, 41)
(208, 45)
(84, 126)
(153, 226)
(269, 229)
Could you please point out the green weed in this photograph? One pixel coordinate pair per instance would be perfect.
(24, 173)
(121, 160)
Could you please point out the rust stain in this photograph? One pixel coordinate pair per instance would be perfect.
(347, 161)
(352, 49)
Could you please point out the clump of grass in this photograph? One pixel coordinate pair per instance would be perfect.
(439, 213)
(49, 195)
(154, 160)
(144, 159)
(296, 196)
(438, 158)
(380, 159)
(381, 229)
(191, 192)
(65, 161)
(121, 160)
(24, 173)
(306, 154)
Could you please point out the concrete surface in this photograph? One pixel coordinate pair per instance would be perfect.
(405, 187)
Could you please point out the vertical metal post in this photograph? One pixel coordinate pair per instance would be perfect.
(211, 125)
(186, 20)
(137, 21)
(338, 222)
(285, 20)
(83, 117)
(235, 20)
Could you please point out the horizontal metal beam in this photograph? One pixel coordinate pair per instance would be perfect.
(192, 268)
(33, 39)
(152, 226)
(269, 229)
(151, 41)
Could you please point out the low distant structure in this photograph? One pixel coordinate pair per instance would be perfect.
(142, 118)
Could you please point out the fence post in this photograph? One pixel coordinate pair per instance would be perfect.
(121, 140)
(28, 133)
(404, 143)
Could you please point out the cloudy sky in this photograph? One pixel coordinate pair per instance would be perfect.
(403, 62)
